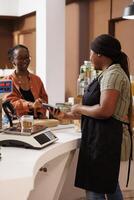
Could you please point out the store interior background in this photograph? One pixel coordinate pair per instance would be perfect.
(84, 20)
(59, 47)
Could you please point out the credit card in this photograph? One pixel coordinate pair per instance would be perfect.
(48, 106)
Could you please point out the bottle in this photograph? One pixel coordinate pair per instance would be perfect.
(86, 82)
(80, 85)
(85, 67)
(86, 70)
(82, 69)
(5, 122)
(90, 71)
(80, 88)
(93, 74)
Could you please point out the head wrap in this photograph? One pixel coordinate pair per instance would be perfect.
(107, 45)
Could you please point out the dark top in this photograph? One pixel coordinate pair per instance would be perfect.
(27, 95)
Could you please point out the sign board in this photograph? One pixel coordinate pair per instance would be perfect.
(5, 86)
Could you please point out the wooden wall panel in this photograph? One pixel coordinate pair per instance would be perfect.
(27, 38)
(6, 39)
(25, 23)
(25, 33)
(72, 48)
(77, 43)
(99, 14)
(14, 29)
(124, 31)
(5, 44)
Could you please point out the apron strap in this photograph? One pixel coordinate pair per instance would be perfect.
(131, 154)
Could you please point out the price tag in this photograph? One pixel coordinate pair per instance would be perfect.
(5, 86)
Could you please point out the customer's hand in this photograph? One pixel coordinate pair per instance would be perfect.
(37, 104)
(56, 113)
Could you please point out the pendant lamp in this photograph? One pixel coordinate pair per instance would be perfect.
(129, 11)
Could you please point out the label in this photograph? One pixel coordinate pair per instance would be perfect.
(5, 86)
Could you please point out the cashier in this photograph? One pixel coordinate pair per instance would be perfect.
(28, 89)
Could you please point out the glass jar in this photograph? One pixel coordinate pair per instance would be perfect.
(27, 123)
(64, 107)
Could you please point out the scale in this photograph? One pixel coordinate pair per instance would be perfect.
(39, 137)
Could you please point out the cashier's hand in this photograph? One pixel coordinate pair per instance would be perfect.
(73, 114)
(76, 109)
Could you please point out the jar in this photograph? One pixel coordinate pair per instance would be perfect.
(64, 107)
(27, 123)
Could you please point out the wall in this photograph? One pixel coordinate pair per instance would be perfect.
(24, 32)
(55, 50)
(101, 11)
(120, 4)
(72, 48)
(17, 30)
(109, 11)
(8, 8)
(124, 35)
(121, 30)
(51, 44)
(77, 42)
(84, 21)
(6, 41)
(99, 14)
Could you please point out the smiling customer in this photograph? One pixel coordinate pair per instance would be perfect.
(28, 89)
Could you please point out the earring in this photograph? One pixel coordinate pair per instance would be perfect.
(98, 55)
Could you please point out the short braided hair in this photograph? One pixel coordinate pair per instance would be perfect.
(11, 51)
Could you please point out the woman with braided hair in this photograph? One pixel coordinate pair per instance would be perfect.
(28, 89)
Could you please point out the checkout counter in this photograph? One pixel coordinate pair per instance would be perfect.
(29, 173)
(20, 167)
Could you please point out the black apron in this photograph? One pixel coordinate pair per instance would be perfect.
(100, 150)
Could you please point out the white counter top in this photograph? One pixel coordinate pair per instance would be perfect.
(19, 166)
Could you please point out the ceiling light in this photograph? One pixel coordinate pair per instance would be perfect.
(129, 11)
